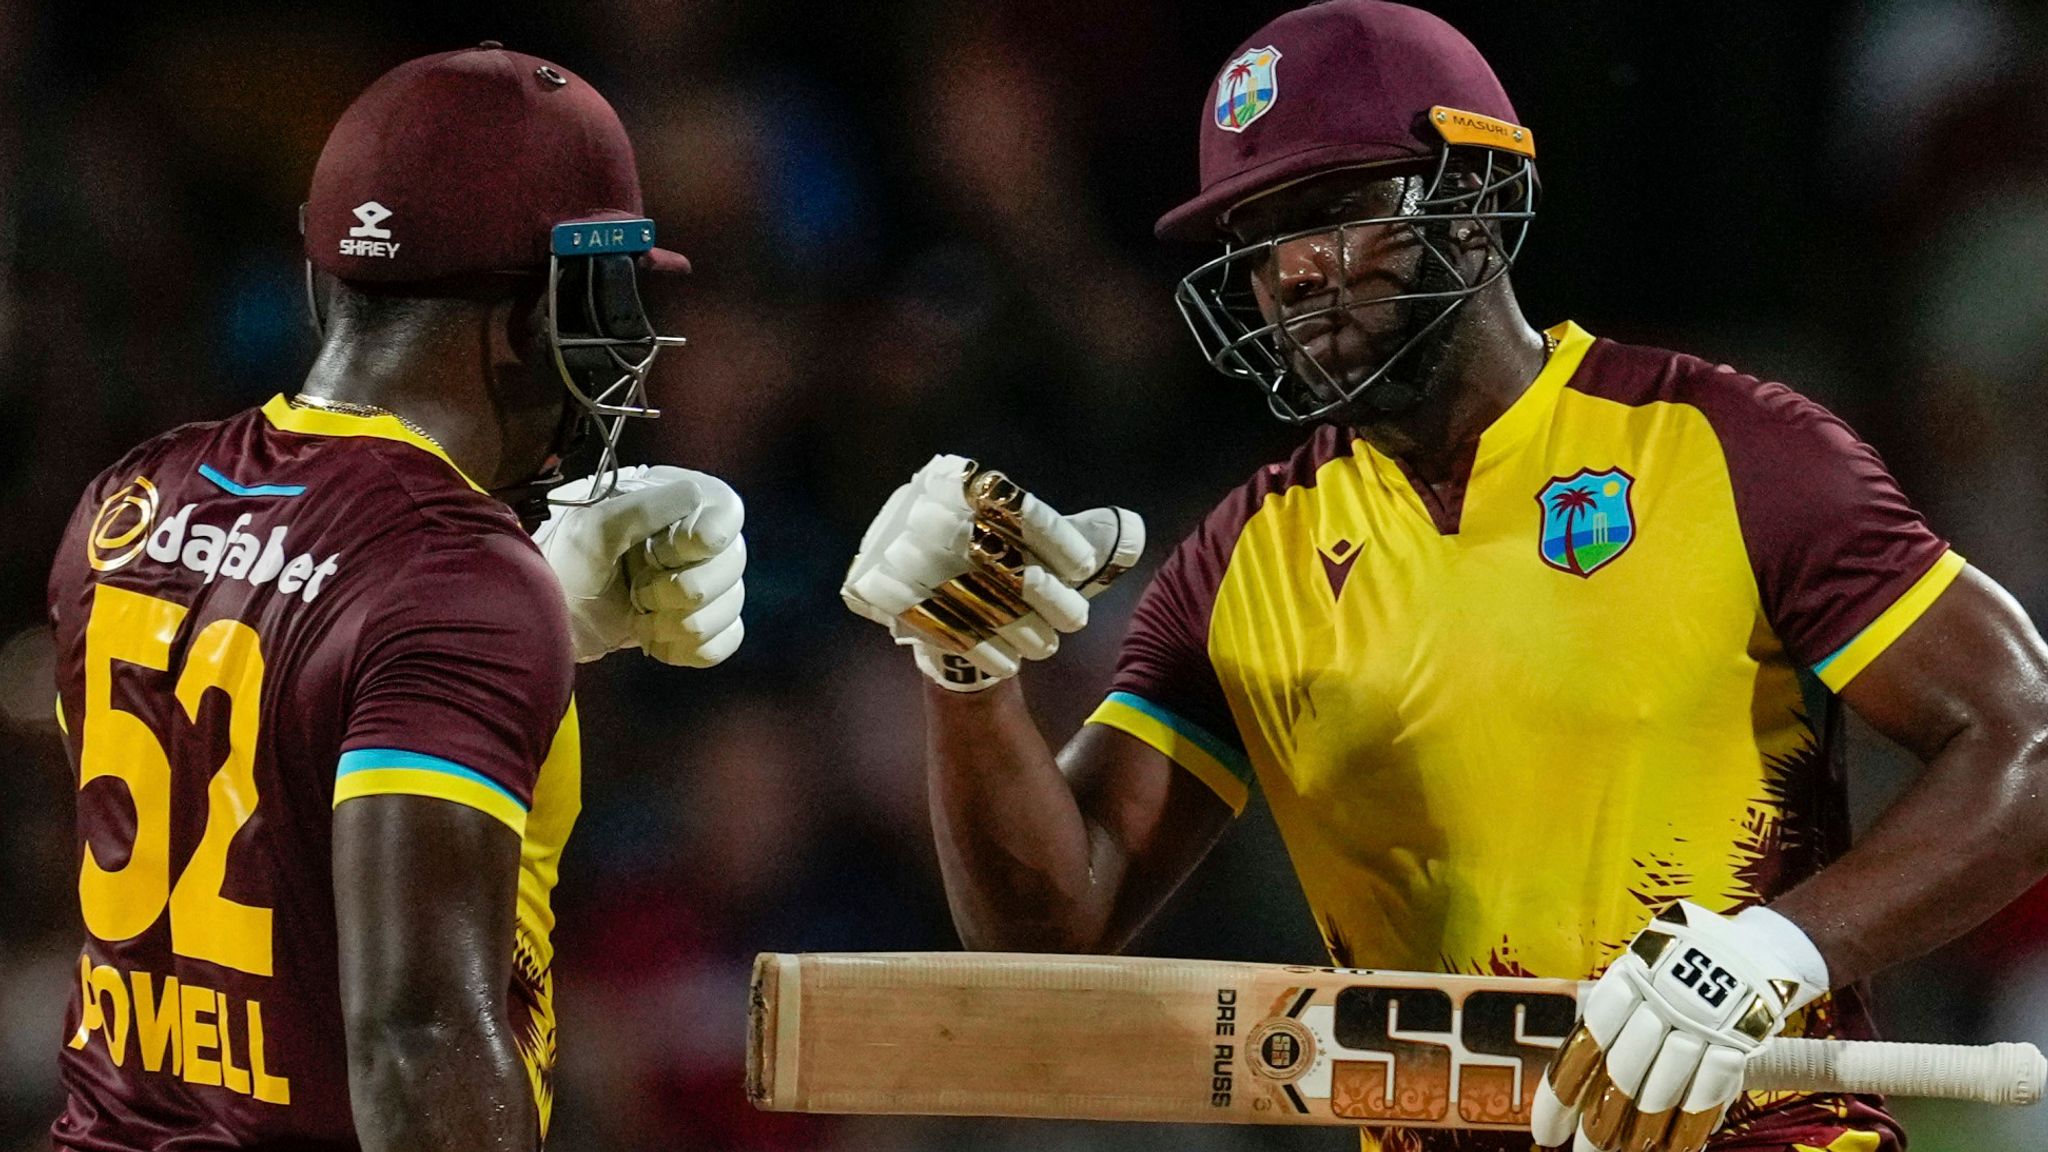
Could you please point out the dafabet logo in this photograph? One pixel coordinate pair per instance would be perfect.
(127, 528)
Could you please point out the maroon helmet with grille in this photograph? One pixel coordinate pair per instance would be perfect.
(486, 161)
(1336, 85)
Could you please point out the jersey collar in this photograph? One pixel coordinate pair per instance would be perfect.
(1533, 406)
(323, 422)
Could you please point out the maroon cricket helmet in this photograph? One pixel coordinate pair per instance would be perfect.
(1335, 85)
(465, 162)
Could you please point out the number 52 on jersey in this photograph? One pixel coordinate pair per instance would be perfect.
(186, 1029)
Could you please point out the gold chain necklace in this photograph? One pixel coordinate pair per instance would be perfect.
(1549, 347)
(301, 400)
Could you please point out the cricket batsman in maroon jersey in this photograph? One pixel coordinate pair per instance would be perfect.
(315, 676)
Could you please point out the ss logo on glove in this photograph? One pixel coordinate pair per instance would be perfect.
(1698, 972)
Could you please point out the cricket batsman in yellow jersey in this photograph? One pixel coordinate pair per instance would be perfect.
(1537, 646)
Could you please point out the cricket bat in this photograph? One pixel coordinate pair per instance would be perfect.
(1202, 1041)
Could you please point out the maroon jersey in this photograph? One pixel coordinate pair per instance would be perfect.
(255, 621)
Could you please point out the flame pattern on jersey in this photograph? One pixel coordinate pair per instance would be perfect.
(533, 1020)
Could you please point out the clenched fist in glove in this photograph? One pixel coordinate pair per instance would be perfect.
(977, 575)
(1660, 1048)
(655, 566)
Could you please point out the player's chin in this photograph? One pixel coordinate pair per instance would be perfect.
(1337, 362)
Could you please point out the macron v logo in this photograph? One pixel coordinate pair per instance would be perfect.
(1337, 561)
(371, 214)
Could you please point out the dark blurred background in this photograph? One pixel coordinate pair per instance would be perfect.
(924, 227)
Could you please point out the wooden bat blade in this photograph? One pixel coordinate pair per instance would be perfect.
(1131, 1039)
(1116, 1038)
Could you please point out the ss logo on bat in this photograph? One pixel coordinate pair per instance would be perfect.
(1417, 1055)
(1697, 971)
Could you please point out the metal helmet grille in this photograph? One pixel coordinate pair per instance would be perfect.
(604, 346)
(1494, 190)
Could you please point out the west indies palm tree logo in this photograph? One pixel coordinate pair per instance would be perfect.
(1246, 89)
(1587, 520)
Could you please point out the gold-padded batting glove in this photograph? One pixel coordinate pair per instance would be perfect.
(976, 575)
(1666, 1032)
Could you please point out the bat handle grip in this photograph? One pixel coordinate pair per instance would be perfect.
(1986, 1074)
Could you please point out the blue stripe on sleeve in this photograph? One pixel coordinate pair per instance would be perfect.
(1830, 658)
(364, 759)
(1230, 757)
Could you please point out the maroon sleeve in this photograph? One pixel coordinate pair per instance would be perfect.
(470, 664)
(1831, 539)
(1165, 656)
(1164, 660)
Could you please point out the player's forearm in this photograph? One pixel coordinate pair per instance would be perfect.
(1025, 870)
(1966, 839)
(429, 1085)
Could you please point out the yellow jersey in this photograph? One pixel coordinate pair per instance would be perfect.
(1499, 731)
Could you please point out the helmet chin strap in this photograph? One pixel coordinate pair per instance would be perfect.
(529, 501)
(1391, 398)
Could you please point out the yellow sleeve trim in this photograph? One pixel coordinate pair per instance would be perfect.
(1182, 742)
(439, 785)
(63, 725)
(1837, 670)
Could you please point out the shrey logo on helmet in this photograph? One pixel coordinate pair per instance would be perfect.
(371, 214)
(1247, 88)
(367, 238)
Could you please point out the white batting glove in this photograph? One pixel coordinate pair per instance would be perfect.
(656, 566)
(1660, 1049)
(976, 575)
